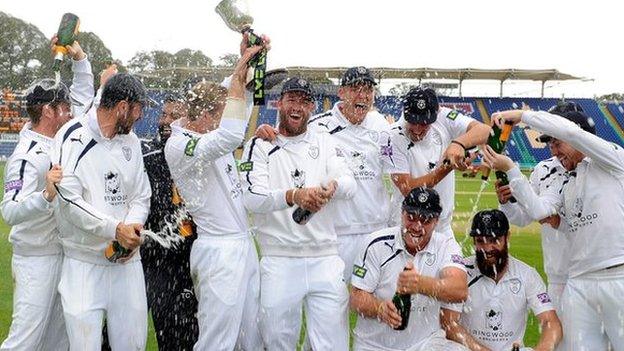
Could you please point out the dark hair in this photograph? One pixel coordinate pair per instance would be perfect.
(35, 111)
(123, 87)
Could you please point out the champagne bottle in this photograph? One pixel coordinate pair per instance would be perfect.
(66, 35)
(186, 224)
(114, 252)
(403, 303)
(497, 141)
(515, 347)
(301, 215)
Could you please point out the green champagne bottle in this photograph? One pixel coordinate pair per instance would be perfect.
(497, 141)
(114, 251)
(403, 303)
(66, 35)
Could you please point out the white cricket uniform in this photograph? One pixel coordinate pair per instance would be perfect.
(381, 259)
(593, 209)
(548, 174)
(420, 158)
(495, 314)
(104, 183)
(369, 209)
(224, 262)
(37, 314)
(300, 263)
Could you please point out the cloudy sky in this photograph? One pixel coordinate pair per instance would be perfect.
(579, 38)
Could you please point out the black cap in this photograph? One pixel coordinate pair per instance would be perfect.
(565, 106)
(124, 86)
(298, 84)
(490, 223)
(576, 117)
(420, 105)
(423, 201)
(46, 91)
(359, 74)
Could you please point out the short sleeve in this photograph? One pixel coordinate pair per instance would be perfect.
(537, 297)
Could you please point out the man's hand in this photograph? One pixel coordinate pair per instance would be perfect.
(266, 132)
(408, 280)
(467, 162)
(247, 53)
(310, 198)
(512, 116)
(53, 177)
(128, 236)
(496, 161)
(388, 313)
(74, 50)
(106, 73)
(456, 154)
(553, 221)
(503, 192)
(329, 190)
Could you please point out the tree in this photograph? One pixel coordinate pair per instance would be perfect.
(228, 60)
(24, 53)
(613, 97)
(191, 58)
(163, 70)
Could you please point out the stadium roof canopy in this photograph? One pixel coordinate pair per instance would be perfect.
(424, 73)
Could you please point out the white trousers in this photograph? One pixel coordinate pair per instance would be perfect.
(348, 249)
(226, 282)
(593, 311)
(436, 342)
(38, 322)
(90, 292)
(290, 283)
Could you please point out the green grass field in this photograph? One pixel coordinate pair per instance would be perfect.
(525, 245)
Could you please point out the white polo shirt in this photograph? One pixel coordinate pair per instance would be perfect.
(369, 209)
(496, 314)
(376, 270)
(420, 158)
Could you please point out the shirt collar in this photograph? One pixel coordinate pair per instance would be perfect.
(282, 140)
(27, 132)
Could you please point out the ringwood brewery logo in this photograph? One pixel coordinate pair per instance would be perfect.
(298, 177)
(113, 193)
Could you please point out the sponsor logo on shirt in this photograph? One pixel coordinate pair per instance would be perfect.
(246, 166)
(494, 329)
(494, 320)
(452, 115)
(236, 187)
(358, 271)
(189, 150)
(543, 297)
(457, 259)
(112, 190)
(358, 165)
(298, 177)
(13, 185)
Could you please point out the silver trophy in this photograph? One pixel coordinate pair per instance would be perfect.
(234, 16)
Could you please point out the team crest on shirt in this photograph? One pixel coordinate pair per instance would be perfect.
(430, 260)
(373, 135)
(515, 285)
(313, 151)
(493, 320)
(113, 193)
(127, 152)
(298, 177)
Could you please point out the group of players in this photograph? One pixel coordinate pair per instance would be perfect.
(73, 186)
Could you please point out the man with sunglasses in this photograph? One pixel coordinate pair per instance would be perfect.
(104, 196)
(27, 206)
(592, 207)
(414, 259)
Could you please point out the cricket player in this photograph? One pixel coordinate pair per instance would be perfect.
(104, 196)
(501, 291)
(300, 170)
(358, 132)
(421, 142)
(27, 206)
(593, 209)
(224, 262)
(415, 259)
(547, 174)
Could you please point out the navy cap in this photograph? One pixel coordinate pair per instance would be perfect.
(422, 201)
(489, 223)
(359, 74)
(576, 117)
(420, 105)
(46, 91)
(300, 85)
(565, 106)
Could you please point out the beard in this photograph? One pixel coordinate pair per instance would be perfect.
(164, 132)
(293, 130)
(491, 270)
(124, 125)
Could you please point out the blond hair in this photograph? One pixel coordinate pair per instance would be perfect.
(205, 97)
